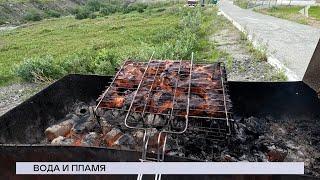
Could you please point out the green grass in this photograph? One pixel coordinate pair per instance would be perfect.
(286, 9)
(134, 35)
(291, 13)
(282, 11)
(18, 1)
(241, 3)
(315, 12)
(280, 76)
(259, 54)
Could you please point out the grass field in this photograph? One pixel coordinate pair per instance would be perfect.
(134, 35)
(315, 12)
(292, 13)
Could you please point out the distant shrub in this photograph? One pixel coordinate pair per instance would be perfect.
(139, 7)
(185, 39)
(33, 15)
(160, 9)
(273, 9)
(53, 13)
(105, 62)
(94, 5)
(126, 8)
(93, 15)
(39, 69)
(2, 22)
(166, 35)
(77, 63)
(109, 9)
(90, 10)
(82, 13)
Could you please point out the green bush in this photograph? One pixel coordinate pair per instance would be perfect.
(94, 5)
(90, 10)
(33, 15)
(93, 15)
(82, 13)
(184, 40)
(2, 22)
(53, 13)
(139, 7)
(106, 61)
(39, 69)
(109, 9)
(77, 63)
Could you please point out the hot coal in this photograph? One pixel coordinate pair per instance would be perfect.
(255, 139)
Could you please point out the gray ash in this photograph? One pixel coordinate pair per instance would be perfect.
(255, 139)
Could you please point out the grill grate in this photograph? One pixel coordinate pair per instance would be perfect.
(183, 97)
(186, 96)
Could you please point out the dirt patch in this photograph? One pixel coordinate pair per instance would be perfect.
(13, 95)
(240, 63)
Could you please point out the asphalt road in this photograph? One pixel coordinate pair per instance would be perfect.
(289, 45)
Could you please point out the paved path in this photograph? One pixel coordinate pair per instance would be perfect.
(289, 45)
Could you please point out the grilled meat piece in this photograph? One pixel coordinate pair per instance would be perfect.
(161, 102)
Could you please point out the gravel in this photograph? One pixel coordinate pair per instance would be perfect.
(242, 66)
(13, 95)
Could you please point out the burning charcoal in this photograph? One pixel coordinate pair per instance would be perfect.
(86, 123)
(172, 144)
(227, 157)
(138, 134)
(82, 110)
(253, 126)
(153, 141)
(116, 113)
(175, 153)
(240, 132)
(154, 120)
(106, 127)
(111, 116)
(138, 138)
(57, 140)
(84, 126)
(61, 129)
(134, 119)
(277, 155)
(179, 124)
(62, 141)
(125, 140)
(91, 139)
(112, 136)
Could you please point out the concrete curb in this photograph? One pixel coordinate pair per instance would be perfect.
(270, 58)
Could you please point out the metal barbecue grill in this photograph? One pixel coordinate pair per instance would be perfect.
(256, 106)
(188, 98)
